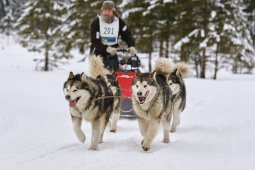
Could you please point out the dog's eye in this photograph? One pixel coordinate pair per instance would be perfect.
(170, 84)
(136, 86)
(75, 90)
(145, 86)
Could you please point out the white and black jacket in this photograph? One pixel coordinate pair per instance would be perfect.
(97, 47)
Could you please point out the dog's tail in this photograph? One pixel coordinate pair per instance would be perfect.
(97, 67)
(183, 69)
(164, 66)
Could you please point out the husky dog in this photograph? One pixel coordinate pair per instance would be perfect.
(113, 84)
(177, 86)
(151, 101)
(89, 99)
(98, 71)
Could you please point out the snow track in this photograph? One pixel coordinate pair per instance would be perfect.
(217, 129)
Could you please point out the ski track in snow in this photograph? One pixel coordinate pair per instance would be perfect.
(217, 129)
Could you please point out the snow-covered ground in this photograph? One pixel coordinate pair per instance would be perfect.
(217, 128)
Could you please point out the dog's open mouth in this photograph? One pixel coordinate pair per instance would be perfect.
(143, 98)
(73, 102)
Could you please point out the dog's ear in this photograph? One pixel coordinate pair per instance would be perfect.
(175, 71)
(153, 74)
(71, 75)
(83, 77)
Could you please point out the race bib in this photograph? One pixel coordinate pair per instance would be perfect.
(109, 32)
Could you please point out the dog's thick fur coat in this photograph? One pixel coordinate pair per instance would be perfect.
(177, 86)
(151, 101)
(90, 99)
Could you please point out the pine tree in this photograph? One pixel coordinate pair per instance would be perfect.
(142, 22)
(6, 18)
(38, 29)
(241, 39)
(197, 32)
(10, 10)
(213, 26)
(76, 28)
(250, 10)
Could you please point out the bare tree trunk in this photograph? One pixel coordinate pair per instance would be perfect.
(205, 24)
(150, 53)
(216, 63)
(182, 57)
(235, 65)
(196, 65)
(160, 47)
(46, 63)
(47, 38)
(203, 63)
(167, 48)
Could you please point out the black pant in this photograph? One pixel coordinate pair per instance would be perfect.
(111, 62)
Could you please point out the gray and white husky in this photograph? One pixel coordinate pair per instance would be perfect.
(151, 97)
(113, 84)
(98, 71)
(90, 99)
(177, 85)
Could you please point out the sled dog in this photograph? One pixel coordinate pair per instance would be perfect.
(98, 71)
(90, 99)
(177, 86)
(151, 97)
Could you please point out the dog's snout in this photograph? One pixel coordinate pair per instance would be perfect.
(139, 93)
(68, 97)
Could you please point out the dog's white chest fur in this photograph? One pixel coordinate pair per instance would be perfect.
(75, 112)
(88, 114)
(149, 109)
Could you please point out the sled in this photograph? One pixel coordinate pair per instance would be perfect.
(128, 69)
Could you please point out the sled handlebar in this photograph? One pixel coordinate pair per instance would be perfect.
(126, 51)
(122, 50)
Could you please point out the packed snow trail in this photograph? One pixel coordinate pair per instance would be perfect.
(217, 129)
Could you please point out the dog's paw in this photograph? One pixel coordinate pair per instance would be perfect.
(146, 147)
(173, 129)
(166, 140)
(113, 130)
(93, 148)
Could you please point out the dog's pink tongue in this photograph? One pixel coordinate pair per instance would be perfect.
(72, 103)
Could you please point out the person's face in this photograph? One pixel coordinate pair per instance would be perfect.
(107, 14)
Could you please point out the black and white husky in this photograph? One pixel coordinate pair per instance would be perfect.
(177, 85)
(151, 97)
(98, 71)
(90, 99)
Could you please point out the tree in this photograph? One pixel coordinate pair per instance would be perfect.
(76, 28)
(10, 10)
(38, 29)
(142, 22)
